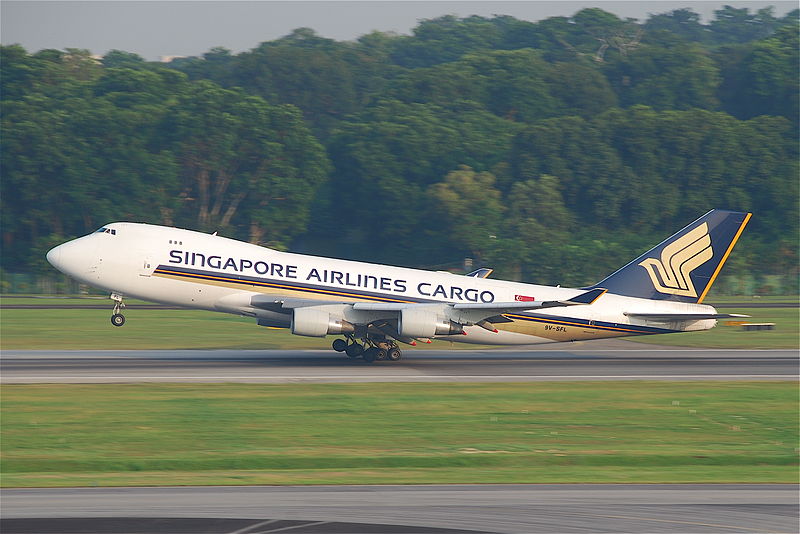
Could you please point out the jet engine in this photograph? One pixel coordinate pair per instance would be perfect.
(420, 323)
(317, 323)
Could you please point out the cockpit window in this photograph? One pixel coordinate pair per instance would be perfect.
(105, 230)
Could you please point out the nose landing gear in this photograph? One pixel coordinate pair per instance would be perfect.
(117, 319)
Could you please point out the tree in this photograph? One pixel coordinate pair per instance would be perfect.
(515, 84)
(386, 157)
(580, 89)
(679, 77)
(319, 76)
(119, 59)
(445, 39)
(738, 25)
(18, 72)
(608, 31)
(236, 150)
(683, 22)
(760, 78)
(470, 209)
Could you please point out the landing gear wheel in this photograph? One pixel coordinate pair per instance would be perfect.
(117, 319)
(339, 345)
(381, 354)
(354, 350)
(394, 354)
(371, 354)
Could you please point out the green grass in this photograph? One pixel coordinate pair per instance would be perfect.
(721, 300)
(67, 300)
(57, 329)
(162, 434)
(144, 329)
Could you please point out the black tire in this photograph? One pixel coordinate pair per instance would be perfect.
(394, 354)
(381, 354)
(339, 345)
(118, 319)
(370, 355)
(354, 350)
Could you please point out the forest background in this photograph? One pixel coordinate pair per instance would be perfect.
(552, 151)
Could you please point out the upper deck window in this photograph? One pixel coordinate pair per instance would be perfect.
(105, 230)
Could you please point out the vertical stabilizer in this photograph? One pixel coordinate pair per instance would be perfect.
(683, 267)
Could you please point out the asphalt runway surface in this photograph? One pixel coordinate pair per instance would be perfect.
(518, 509)
(611, 360)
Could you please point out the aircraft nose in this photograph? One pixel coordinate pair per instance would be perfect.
(54, 257)
(75, 258)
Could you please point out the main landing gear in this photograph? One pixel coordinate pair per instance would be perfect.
(117, 319)
(370, 349)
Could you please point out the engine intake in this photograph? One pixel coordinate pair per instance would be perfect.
(312, 322)
(418, 323)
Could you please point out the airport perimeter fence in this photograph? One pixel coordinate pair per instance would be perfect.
(46, 284)
(38, 284)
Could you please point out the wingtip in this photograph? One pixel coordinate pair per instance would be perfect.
(589, 297)
(602, 292)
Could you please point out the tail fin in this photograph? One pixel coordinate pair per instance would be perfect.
(683, 267)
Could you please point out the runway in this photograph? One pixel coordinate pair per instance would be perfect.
(513, 509)
(620, 361)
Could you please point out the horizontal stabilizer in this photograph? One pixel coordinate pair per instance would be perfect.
(684, 316)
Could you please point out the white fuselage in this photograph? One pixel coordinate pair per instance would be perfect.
(197, 270)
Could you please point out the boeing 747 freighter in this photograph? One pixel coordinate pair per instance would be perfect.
(371, 308)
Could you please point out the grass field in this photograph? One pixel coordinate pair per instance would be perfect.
(63, 328)
(659, 432)
(144, 329)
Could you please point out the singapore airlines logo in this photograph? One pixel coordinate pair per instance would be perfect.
(671, 273)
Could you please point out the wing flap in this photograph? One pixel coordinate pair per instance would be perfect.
(502, 307)
(277, 303)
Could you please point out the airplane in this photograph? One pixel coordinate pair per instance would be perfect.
(372, 308)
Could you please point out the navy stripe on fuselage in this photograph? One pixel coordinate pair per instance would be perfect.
(378, 297)
(279, 284)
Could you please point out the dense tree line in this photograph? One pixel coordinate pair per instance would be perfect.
(549, 150)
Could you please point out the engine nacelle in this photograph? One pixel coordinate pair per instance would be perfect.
(317, 323)
(418, 323)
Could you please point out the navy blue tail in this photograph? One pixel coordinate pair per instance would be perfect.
(683, 267)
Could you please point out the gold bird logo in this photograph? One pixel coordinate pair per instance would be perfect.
(678, 260)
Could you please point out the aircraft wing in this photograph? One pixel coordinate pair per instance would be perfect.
(482, 314)
(428, 318)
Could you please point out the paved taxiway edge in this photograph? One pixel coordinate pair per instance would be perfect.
(512, 509)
